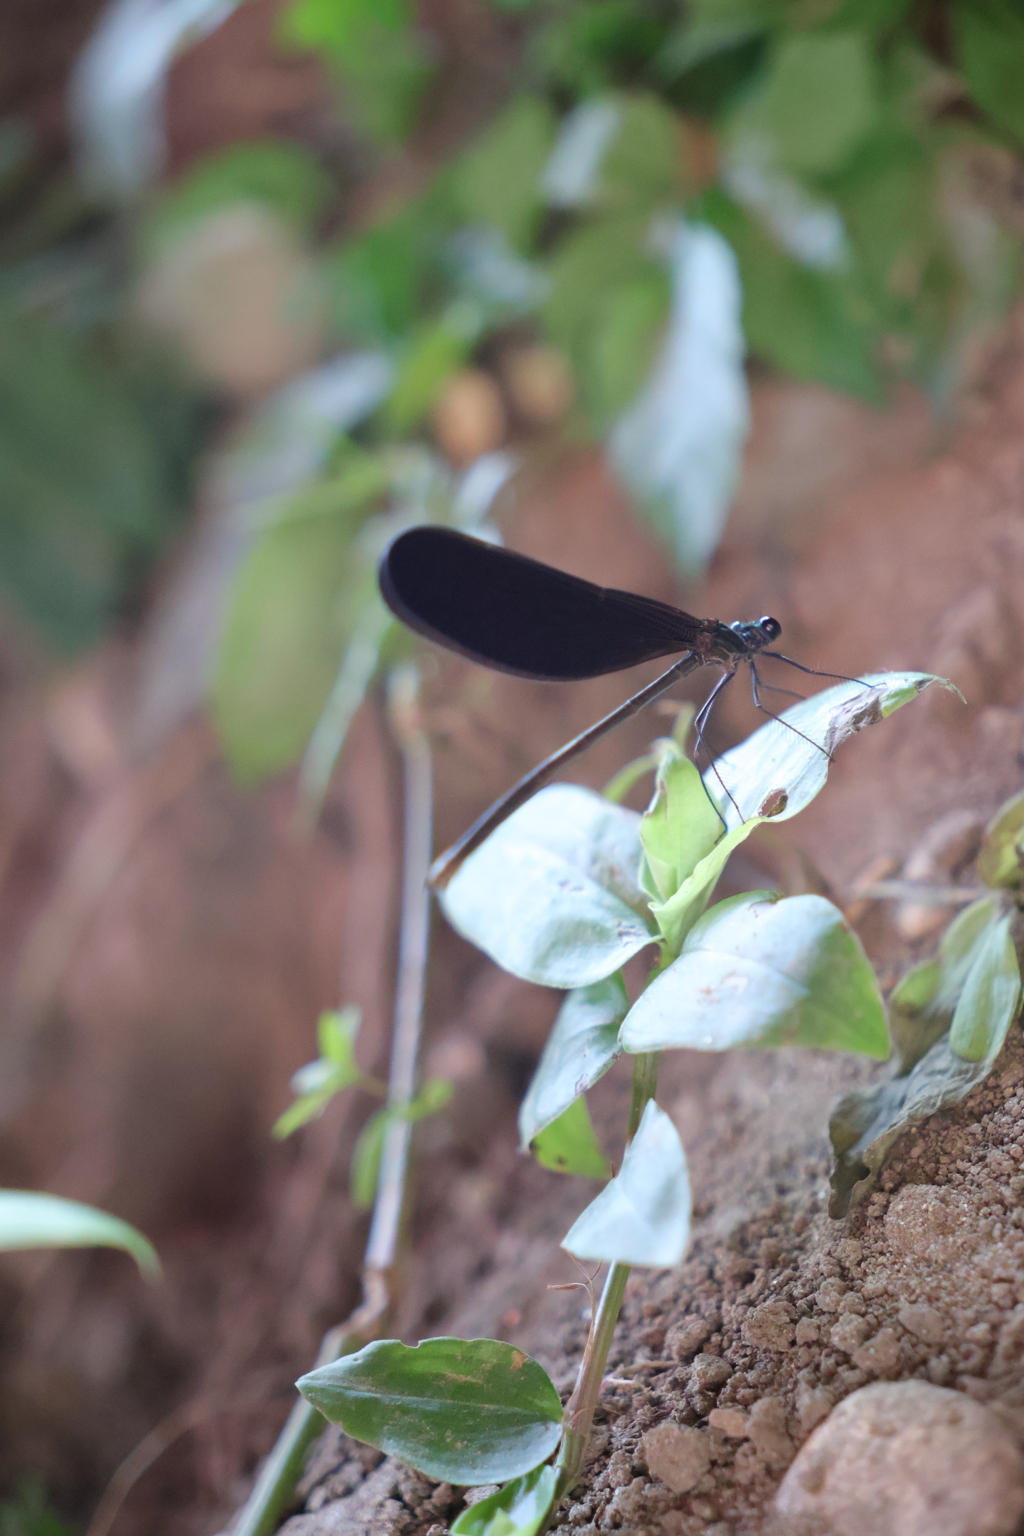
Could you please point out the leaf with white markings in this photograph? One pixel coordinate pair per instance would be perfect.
(643, 1215)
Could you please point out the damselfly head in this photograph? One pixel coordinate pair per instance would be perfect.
(757, 635)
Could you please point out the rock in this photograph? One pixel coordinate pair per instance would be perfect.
(769, 1326)
(710, 1372)
(926, 1221)
(924, 1323)
(907, 1459)
(881, 1355)
(685, 1338)
(849, 1333)
(767, 1429)
(730, 1421)
(676, 1455)
(812, 1405)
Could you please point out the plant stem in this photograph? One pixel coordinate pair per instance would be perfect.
(283, 1467)
(580, 1409)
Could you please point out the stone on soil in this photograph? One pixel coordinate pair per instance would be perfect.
(676, 1455)
(907, 1459)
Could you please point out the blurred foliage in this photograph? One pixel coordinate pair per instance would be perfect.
(28, 1514)
(860, 160)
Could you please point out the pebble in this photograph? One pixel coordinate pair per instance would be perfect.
(676, 1455)
(730, 1421)
(907, 1459)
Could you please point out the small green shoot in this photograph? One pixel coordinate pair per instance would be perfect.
(316, 1084)
(365, 1168)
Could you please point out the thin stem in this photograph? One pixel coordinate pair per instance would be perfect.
(580, 1409)
(283, 1467)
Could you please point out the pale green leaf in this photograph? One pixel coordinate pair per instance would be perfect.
(583, 1043)
(680, 826)
(364, 1169)
(553, 894)
(465, 1411)
(497, 179)
(570, 1145)
(677, 916)
(999, 860)
(643, 1215)
(336, 1033)
(32, 1220)
(518, 1509)
(758, 971)
(990, 996)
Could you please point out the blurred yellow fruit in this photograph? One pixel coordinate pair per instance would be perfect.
(469, 418)
(539, 383)
(240, 296)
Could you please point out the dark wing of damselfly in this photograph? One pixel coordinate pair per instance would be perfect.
(517, 615)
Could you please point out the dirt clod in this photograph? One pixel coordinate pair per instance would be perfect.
(908, 1459)
(676, 1455)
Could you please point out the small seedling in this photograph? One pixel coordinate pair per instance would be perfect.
(568, 888)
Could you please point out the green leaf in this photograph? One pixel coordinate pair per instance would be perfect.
(279, 175)
(463, 1411)
(990, 996)
(990, 45)
(374, 47)
(336, 1033)
(583, 1043)
(999, 860)
(679, 446)
(497, 179)
(813, 325)
(28, 1513)
(758, 971)
(777, 772)
(31, 1220)
(680, 826)
(436, 352)
(677, 916)
(552, 895)
(643, 1215)
(913, 1023)
(364, 1169)
(641, 166)
(623, 345)
(570, 1145)
(518, 1509)
(818, 101)
(866, 1123)
(293, 606)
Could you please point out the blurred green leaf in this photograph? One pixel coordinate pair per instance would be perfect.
(819, 99)
(999, 860)
(570, 1145)
(496, 181)
(642, 167)
(282, 176)
(643, 1215)
(435, 352)
(583, 1043)
(31, 1220)
(91, 481)
(552, 895)
(813, 325)
(373, 45)
(594, 44)
(623, 344)
(28, 1514)
(364, 1169)
(293, 605)
(317, 1083)
(990, 48)
(466, 1411)
(990, 996)
(757, 971)
(381, 280)
(518, 1509)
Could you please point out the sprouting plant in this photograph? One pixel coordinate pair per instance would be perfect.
(563, 893)
(948, 1016)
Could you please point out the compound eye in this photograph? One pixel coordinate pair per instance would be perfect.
(769, 627)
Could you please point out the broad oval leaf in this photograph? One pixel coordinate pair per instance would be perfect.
(518, 1509)
(466, 1411)
(570, 1145)
(553, 894)
(643, 1215)
(990, 996)
(583, 1043)
(32, 1220)
(778, 772)
(757, 971)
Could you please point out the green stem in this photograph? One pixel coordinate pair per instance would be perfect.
(580, 1409)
